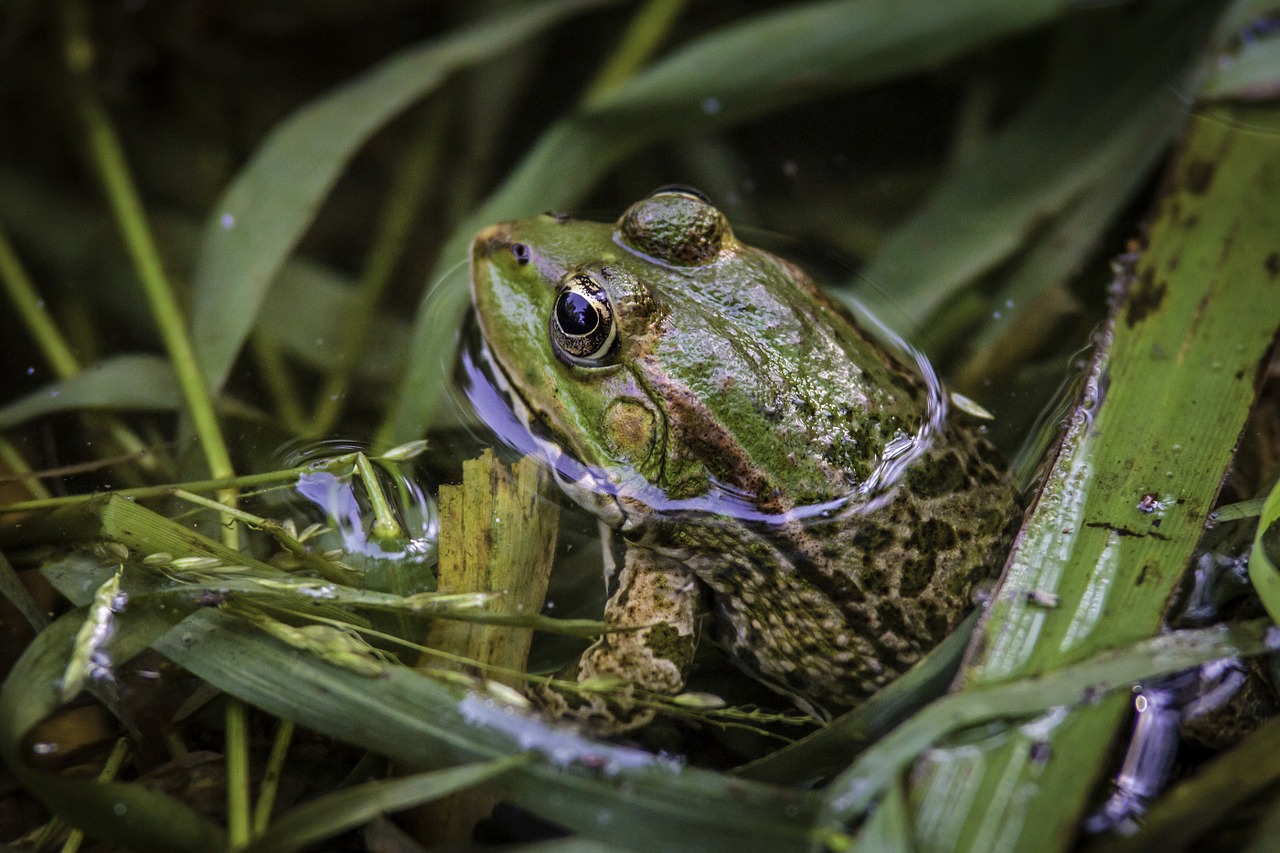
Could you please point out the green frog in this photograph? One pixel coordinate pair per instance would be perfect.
(754, 451)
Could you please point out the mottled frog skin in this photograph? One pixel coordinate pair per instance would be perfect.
(756, 452)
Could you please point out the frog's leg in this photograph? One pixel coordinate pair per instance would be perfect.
(660, 600)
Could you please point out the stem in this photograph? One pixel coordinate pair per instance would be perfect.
(57, 352)
(385, 527)
(109, 772)
(239, 829)
(271, 777)
(415, 170)
(280, 384)
(113, 171)
(222, 484)
(31, 308)
(645, 32)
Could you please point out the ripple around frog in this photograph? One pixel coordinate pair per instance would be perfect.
(504, 412)
(340, 500)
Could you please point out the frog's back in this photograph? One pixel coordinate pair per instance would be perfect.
(829, 611)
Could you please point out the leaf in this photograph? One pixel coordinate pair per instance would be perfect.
(1079, 684)
(268, 207)
(122, 382)
(774, 60)
(338, 812)
(1262, 571)
(572, 781)
(1126, 501)
(12, 588)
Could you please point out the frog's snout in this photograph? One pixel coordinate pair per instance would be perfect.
(490, 240)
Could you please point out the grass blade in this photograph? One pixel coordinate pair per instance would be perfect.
(1160, 419)
(573, 782)
(121, 383)
(343, 810)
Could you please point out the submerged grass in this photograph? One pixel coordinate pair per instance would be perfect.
(1014, 214)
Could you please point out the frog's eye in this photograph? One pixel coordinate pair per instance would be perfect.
(521, 253)
(582, 322)
(675, 225)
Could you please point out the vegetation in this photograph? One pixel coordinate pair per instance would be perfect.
(226, 228)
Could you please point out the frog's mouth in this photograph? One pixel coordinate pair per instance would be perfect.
(498, 402)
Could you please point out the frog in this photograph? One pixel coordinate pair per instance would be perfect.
(766, 464)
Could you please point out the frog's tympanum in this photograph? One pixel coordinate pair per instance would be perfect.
(757, 454)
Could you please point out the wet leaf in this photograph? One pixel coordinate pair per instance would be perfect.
(573, 781)
(1262, 570)
(1081, 684)
(338, 812)
(1131, 488)
(130, 815)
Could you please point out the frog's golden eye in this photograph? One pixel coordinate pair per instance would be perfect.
(583, 330)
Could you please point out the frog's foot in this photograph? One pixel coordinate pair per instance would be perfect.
(654, 617)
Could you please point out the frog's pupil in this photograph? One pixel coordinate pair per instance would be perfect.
(521, 252)
(576, 314)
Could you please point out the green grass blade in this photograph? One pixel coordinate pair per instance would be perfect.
(778, 59)
(12, 588)
(329, 815)
(1079, 684)
(120, 383)
(795, 53)
(1262, 571)
(269, 206)
(420, 721)
(1164, 409)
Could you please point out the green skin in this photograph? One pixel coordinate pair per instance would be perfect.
(758, 452)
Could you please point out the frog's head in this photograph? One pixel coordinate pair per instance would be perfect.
(660, 346)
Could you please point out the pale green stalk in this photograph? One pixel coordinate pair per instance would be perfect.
(108, 160)
(385, 527)
(53, 344)
(274, 371)
(645, 32)
(270, 478)
(239, 828)
(271, 777)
